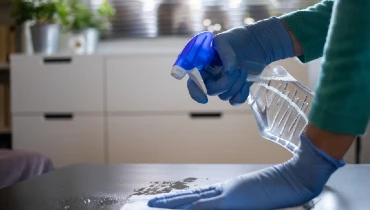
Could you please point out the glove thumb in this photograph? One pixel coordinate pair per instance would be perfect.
(207, 203)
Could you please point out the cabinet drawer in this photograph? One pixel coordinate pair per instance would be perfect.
(202, 138)
(64, 138)
(57, 84)
(144, 83)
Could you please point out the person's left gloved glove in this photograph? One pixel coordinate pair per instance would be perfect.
(290, 184)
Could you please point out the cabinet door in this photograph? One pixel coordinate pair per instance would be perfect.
(65, 138)
(57, 84)
(144, 83)
(194, 138)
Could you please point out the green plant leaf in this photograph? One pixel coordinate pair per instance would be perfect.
(36, 10)
(76, 16)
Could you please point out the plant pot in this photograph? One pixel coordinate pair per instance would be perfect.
(84, 41)
(45, 38)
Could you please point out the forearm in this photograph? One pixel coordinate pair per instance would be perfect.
(334, 144)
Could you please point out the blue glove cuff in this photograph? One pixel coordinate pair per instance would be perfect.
(274, 38)
(306, 141)
(311, 166)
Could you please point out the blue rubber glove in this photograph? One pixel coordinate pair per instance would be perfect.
(292, 183)
(263, 42)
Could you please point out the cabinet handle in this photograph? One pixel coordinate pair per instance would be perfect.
(57, 60)
(206, 115)
(58, 116)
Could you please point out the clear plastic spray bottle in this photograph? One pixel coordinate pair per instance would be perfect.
(280, 103)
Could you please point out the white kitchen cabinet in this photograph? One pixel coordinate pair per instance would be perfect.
(166, 138)
(148, 119)
(127, 109)
(143, 82)
(57, 84)
(57, 107)
(65, 138)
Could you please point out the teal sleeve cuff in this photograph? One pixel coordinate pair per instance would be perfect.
(312, 47)
(310, 27)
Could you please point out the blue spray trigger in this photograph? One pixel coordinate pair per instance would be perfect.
(197, 53)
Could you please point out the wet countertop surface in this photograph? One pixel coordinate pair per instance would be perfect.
(109, 186)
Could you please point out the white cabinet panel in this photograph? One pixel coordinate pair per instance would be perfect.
(57, 84)
(144, 83)
(233, 138)
(65, 140)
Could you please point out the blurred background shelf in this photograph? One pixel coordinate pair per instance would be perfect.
(5, 131)
(4, 67)
(8, 44)
(5, 4)
(5, 138)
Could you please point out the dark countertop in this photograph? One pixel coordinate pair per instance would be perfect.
(108, 186)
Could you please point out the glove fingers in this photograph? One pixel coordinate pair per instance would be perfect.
(213, 71)
(196, 93)
(236, 88)
(207, 73)
(242, 96)
(217, 86)
(207, 203)
(184, 198)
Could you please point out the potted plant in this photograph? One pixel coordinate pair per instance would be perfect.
(43, 16)
(84, 24)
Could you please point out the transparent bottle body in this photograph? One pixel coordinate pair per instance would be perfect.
(280, 104)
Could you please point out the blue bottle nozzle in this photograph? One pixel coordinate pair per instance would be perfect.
(197, 53)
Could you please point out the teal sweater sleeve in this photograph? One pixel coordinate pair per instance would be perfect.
(342, 100)
(342, 95)
(310, 26)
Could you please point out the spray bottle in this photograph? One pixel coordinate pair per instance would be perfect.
(280, 103)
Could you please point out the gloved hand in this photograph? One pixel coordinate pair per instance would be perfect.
(292, 183)
(263, 42)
